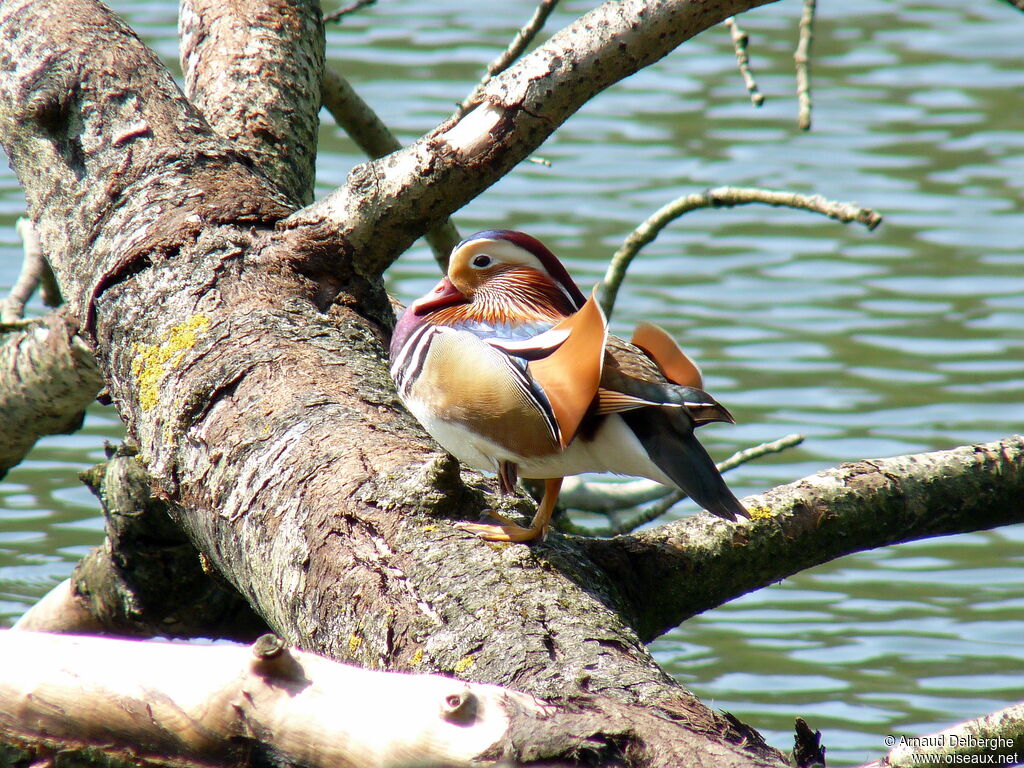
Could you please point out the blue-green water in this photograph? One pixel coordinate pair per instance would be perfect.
(872, 344)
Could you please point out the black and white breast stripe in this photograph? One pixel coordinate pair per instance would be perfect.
(533, 392)
(408, 364)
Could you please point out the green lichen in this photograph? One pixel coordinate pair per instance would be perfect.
(153, 361)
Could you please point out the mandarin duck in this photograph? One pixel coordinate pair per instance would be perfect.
(511, 369)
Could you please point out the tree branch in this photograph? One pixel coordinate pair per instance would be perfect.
(802, 60)
(848, 509)
(268, 112)
(34, 274)
(389, 202)
(347, 9)
(157, 704)
(48, 377)
(720, 197)
(366, 129)
(514, 50)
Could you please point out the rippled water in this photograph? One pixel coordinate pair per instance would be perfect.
(872, 344)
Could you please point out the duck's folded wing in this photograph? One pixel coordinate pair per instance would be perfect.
(620, 392)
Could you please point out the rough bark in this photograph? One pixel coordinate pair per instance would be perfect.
(262, 407)
(269, 113)
(48, 377)
(146, 578)
(856, 506)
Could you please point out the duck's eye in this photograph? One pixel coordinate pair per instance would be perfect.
(482, 261)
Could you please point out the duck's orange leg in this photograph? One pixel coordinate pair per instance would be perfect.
(509, 531)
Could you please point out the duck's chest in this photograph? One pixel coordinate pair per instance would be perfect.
(475, 400)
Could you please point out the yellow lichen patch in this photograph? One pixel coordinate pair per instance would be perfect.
(428, 528)
(354, 641)
(417, 658)
(464, 664)
(760, 513)
(153, 361)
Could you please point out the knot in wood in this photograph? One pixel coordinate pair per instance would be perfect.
(459, 707)
(268, 646)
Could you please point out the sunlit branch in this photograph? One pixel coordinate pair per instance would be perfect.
(366, 129)
(721, 197)
(515, 49)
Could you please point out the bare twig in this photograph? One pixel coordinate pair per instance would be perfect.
(33, 266)
(360, 122)
(721, 197)
(739, 44)
(1018, 4)
(515, 49)
(626, 495)
(346, 10)
(802, 59)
